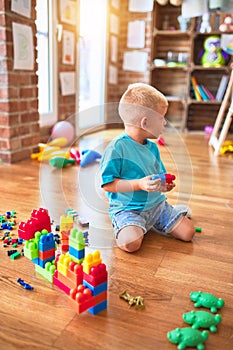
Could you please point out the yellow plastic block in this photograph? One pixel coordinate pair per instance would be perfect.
(63, 263)
(91, 260)
(66, 223)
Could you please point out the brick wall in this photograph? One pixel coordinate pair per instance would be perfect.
(19, 127)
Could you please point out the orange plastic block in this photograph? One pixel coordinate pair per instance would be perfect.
(81, 299)
(62, 264)
(91, 260)
(75, 272)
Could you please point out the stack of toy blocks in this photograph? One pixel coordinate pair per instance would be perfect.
(84, 279)
(66, 225)
(91, 295)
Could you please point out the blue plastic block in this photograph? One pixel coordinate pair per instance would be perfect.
(98, 289)
(78, 254)
(98, 308)
(46, 242)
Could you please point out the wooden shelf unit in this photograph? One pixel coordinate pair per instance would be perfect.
(175, 82)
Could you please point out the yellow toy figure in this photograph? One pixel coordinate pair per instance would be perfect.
(213, 55)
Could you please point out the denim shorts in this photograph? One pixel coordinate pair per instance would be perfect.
(162, 218)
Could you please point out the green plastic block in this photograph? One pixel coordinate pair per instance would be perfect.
(48, 271)
(15, 255)
(31, 249)
(76, 239)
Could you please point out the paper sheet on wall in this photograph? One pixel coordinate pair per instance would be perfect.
(68, 47)
(67, 80)
(191, 8)
(22, 7)
(141, 6)
(114, 48)
(135, 61)
(112, 75)
(68, 11)
(227, 43)
(23, 47)
(136, 34)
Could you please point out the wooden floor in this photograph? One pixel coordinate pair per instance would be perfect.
(163, 272)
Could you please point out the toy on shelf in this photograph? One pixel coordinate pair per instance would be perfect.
(213, 55)
(207, 300)
(188, 337)
(205, 24)
(202, 319)
(165, 178)
(227, 25)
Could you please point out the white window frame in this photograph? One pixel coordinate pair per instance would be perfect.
(50, 118)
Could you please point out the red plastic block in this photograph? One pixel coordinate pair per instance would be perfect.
(47, 254)
(41, 219)
(27, 229)
(59, 284)
(98, 275)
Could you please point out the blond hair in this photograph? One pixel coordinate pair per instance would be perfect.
(138, 100)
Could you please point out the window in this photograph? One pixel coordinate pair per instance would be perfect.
(47, 77)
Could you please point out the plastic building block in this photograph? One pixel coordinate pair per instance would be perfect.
(47, 254)
(15, 255)
(89, 157)
(47, 272)
(31, 249)
(42, 263)
(27, 229)
(98, 274)
(75, 154)
(66, 224)
(98, 308)
(46, 242)
(81, 299)
(72, 212)
(78, 254)
(188, 337)
(75, 273)
(25, 285)
(41, 219)
(165, 178)
(198, 229)
(76, 239)
(91, 260)
(206, 300)
(59, 284)
(202, 319)
(62, 264)
(98, 289)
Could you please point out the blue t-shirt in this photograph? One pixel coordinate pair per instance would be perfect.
(128, 160)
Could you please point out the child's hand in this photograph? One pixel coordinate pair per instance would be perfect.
(149, 185)
(167, 187)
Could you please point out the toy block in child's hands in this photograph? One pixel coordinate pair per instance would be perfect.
(165, 178)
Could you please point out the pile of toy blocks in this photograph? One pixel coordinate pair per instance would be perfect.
(82, 278)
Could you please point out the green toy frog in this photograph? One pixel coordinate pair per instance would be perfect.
(207, 300)
(202, 319)
(188, 337)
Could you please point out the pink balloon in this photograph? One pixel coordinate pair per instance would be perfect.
(63, 129)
